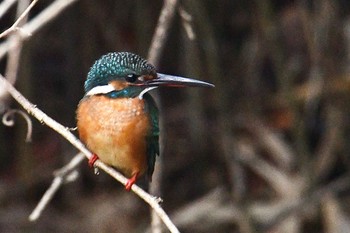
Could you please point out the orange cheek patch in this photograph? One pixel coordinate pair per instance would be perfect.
(148, 77)
(119, 85)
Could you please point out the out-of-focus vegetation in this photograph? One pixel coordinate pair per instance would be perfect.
(265, 151)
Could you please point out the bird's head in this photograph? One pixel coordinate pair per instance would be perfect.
(125, 74)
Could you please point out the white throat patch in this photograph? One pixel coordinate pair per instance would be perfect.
(145, 91)
(100, 90)
(109, 88)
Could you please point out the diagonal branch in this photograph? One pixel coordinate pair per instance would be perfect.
(5, 6)
(36, 23)
(14, 27)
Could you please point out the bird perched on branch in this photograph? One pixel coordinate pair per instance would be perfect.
(117, 119)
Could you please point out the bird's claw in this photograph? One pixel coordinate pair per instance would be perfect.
(130, 182)
(92, 160)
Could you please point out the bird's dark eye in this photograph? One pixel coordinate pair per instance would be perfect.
(131, 78)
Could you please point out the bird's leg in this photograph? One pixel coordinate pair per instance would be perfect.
(131, 181)
(92, 160)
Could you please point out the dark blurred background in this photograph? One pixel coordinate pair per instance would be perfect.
(265, 151)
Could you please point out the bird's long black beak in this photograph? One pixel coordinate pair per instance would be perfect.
(176, 81)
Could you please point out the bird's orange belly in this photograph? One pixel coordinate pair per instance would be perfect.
(115, 130)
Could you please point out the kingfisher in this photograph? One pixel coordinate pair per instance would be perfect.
(117, 119)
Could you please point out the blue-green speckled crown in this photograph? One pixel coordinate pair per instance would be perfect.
(116, 65)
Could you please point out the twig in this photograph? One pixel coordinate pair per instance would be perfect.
(326, 158)
(14, 27)
(187, 23)
(7, 119)
(63, 175)
(15, 50)
(39, 21)
(77, 159)
(5, 5)
(161, 33)
(13, 58)
(45, 119)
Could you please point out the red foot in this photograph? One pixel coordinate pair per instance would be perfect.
(92, 160)
(130, 182)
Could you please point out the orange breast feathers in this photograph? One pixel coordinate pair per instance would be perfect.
(115, 130)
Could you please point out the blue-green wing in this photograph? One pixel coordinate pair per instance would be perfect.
(153, 137)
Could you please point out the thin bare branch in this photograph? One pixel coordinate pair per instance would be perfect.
(15, 51)
(326, 158)
(14, 27)
(7, 119)
(5, 6)
(38, 22)
(13, 59)
(63, 175)
(159, 37)
(187, 23)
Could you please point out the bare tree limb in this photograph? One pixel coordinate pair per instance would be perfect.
(161, 33)
(14, 27)
(5, 6)
(15, 50)
(187, 23)
(14, 53)
(39, 21)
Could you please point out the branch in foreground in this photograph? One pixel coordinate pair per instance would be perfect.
(45, 119)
